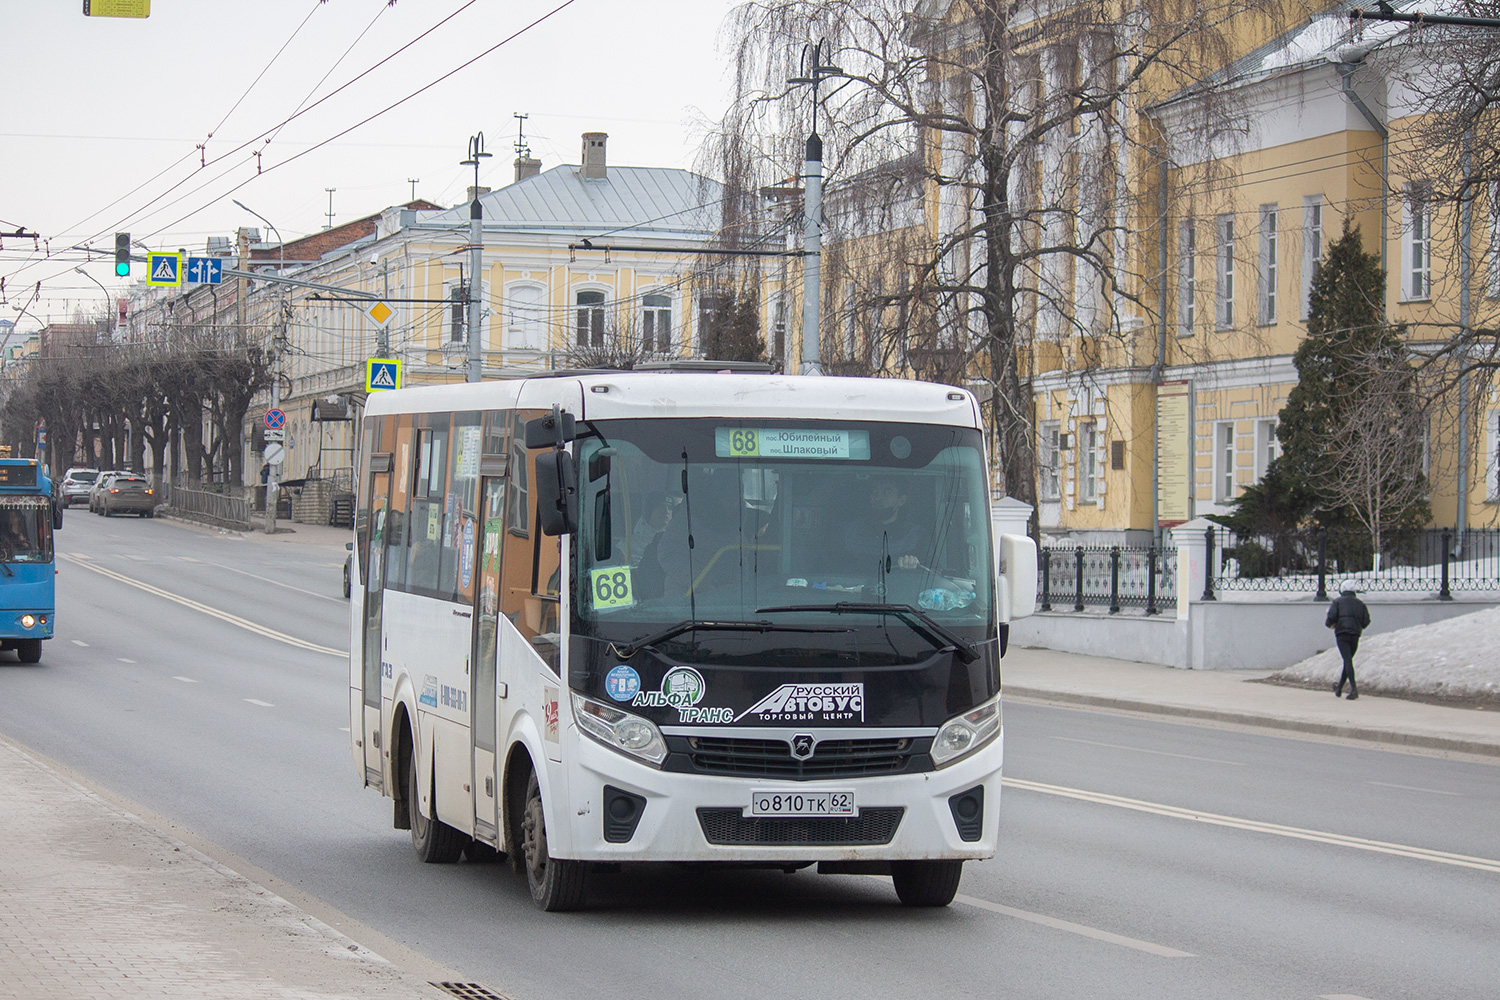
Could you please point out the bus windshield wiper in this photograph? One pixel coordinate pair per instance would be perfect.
(920, 621)
(691, 625)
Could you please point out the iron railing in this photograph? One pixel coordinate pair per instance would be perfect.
(1116, 577)
(227, 509)
(1314, 560)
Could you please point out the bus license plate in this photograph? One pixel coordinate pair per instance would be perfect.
(781, 803)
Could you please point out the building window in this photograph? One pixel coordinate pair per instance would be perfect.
(1267, 447)
(1187, 273)
(1225, 317)
(526, 317)
(778, 330)
(656, 324)
(1312, 244)
(1416, 250)
(1224, 461)
(1494, 275)
(1268, 239)
(590, 324)
(1088, 462)
(1049, 479)
(713, 309)
(458, 312)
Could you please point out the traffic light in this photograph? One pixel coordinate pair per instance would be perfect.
(122, 255)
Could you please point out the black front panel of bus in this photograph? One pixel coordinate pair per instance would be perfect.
(17, 475)
(786, 682)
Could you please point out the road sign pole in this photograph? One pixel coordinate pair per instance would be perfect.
(273, 476)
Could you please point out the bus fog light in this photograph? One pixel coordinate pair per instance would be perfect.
(620, 730)
(27, 621)
(966, 733)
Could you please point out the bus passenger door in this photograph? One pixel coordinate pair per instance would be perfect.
(374, 546)
(484, 706)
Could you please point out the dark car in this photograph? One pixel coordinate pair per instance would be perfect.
(127, 494)
(101, 484)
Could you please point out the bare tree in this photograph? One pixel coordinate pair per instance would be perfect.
(1372, 460)
(1020, 130)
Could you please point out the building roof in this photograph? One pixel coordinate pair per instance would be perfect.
(629, 201)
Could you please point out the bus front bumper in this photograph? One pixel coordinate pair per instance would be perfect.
(695, 817)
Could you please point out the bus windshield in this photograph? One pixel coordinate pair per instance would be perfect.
(710, 520)
(25, 529)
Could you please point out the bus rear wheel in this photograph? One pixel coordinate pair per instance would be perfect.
(556, 884)
(926, 883)
(435, 842)
(29, 650)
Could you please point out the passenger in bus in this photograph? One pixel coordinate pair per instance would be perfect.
(14, 538)
(887, 528)
(657, 515)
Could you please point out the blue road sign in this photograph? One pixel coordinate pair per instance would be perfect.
(275, 419)
(205, 270)
(163, 268)
(382, 373)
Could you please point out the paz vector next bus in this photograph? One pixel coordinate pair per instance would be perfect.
(603, 618)
(28, 515)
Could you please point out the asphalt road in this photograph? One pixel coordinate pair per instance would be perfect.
(1140, 857)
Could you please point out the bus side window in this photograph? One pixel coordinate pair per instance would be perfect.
(530, 562)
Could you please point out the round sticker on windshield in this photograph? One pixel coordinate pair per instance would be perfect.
(622, 683)
(900, 447)
(683, 687)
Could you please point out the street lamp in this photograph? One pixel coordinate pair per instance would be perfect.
(476, 257)
(815, 69)
(101, 288)
(273, 476)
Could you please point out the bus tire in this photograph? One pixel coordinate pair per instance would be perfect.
(926, 883)
(435, 842)
(556, 884)
(29, 650)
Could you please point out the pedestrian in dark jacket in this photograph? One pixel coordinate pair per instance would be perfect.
(1348, 617)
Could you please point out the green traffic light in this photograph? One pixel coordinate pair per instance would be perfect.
(122, 268)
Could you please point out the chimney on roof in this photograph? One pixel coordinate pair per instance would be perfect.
(594, 167)
(527, 166)
(475, 192)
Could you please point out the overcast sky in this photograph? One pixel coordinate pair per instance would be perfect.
(103, 117)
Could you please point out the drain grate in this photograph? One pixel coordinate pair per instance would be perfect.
(470, 991)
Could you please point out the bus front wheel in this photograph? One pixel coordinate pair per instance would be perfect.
(926, 883)
(556, 884)
(435, 842)
(29, 650)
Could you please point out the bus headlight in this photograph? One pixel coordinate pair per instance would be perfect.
(619, 730)
(962, 735)
(27, 621)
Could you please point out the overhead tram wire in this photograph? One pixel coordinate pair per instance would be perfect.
(275, 128)
(389, 107)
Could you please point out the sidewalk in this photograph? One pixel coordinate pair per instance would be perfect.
(96, 902)
(1233, 696)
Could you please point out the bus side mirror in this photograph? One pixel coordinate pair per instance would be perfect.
(556, 493)
(551, 430)
(57, 514)
(1015, 583)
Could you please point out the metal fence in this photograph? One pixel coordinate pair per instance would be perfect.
(1314, 560)
(1115, 577)
(226, 509)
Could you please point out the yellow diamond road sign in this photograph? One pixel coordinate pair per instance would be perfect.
(380, 313)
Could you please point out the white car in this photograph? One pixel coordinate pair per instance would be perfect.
(76, 485)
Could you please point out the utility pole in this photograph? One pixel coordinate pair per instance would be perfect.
(330, 208)
(414, 181)
(476, 259)
(812, 212)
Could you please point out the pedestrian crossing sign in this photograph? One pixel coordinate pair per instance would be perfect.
(382, 373)
(164, 269)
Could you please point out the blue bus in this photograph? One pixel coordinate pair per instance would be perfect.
(28, 515)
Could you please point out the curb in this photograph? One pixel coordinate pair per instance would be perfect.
(1264, 721)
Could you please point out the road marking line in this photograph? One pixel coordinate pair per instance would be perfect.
(1413, 788)
(278, 583)
(1341, 996)
(262, 704)
(1256, 826)
(213, 612)
(187, 558)
(343, 729)
(78, 642)
(1072, 928)
(185, 680)
(1159, 753)
(123, 660)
